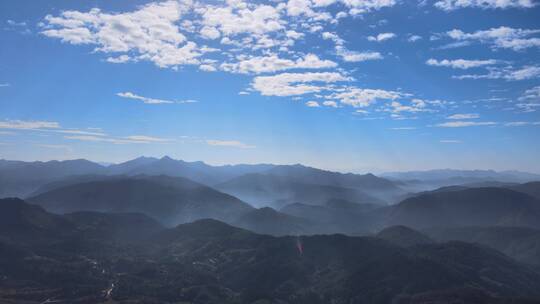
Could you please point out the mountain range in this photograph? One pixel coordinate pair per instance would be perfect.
(23, 179)
(168, 231)
(171, 200)
(176, 200)
(415, 181)
(208, 261)
(466, 207)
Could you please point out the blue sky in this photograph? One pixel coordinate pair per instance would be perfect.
(349, 85)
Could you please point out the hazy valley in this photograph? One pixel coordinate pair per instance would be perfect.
(168, 231)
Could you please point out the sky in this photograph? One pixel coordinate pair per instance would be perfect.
(347, 85)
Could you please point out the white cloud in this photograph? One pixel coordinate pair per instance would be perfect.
(528, 72)
(522, 123)
(449, 5)
(450, 141)
(528, 107)
(210, 32)
(273, 63)
(299, 7)
(78, 132)
(134, 139)
(239, 17)
(330, 103)
(364, 6)
(361, 98)
(532, 93)
(403, 128)
(294, 34)
(15, 23)
(462, 124)
(501, 37)
(150, 32)
(44, 126)
(148, 100)
(348, 55)
(4, 85)
(453, 45)
(207, 68)
(529, 100)
(119, 59)
(92, 135)
(381, 37)
(356, 7)
(332, 36)
(144, 138)
(50, 146)
(28, 125)
(353, 56)
(313, 104)
(461, 63)
(229, 143)
(290, 84)
(416, 105)
(463, 116)
(507, 73)
(414, 38)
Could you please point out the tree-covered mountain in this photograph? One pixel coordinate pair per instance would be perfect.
(465, 176)
(279, 190)
(532, 188)
(269, 221)
(370, 184)
(417, 181)
(336, 216)
(20, 221)
(467, 207)
(197, 171)
(171, 200)
(520, 243)
(403, 236)
(208, 261)
(19, 179)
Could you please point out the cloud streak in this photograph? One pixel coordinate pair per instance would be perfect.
(229, 143)
(148, 100)
(450, 5)
(502, 37)
(460, 63)
(463, 124)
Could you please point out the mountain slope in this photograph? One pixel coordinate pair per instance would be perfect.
(269, 221)
(72, 180)
(465, 176)
(532, 189)
(277, 191)
(170, 200)
(120, 227)
(19, 178)
(197, 171)
(208, 261)
(469, 207)
(520, 243)
(316, 269)
(403, 236)
(22, 221)
(336, 216)
(370, 184)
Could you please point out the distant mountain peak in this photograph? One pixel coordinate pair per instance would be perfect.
(144, 158)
